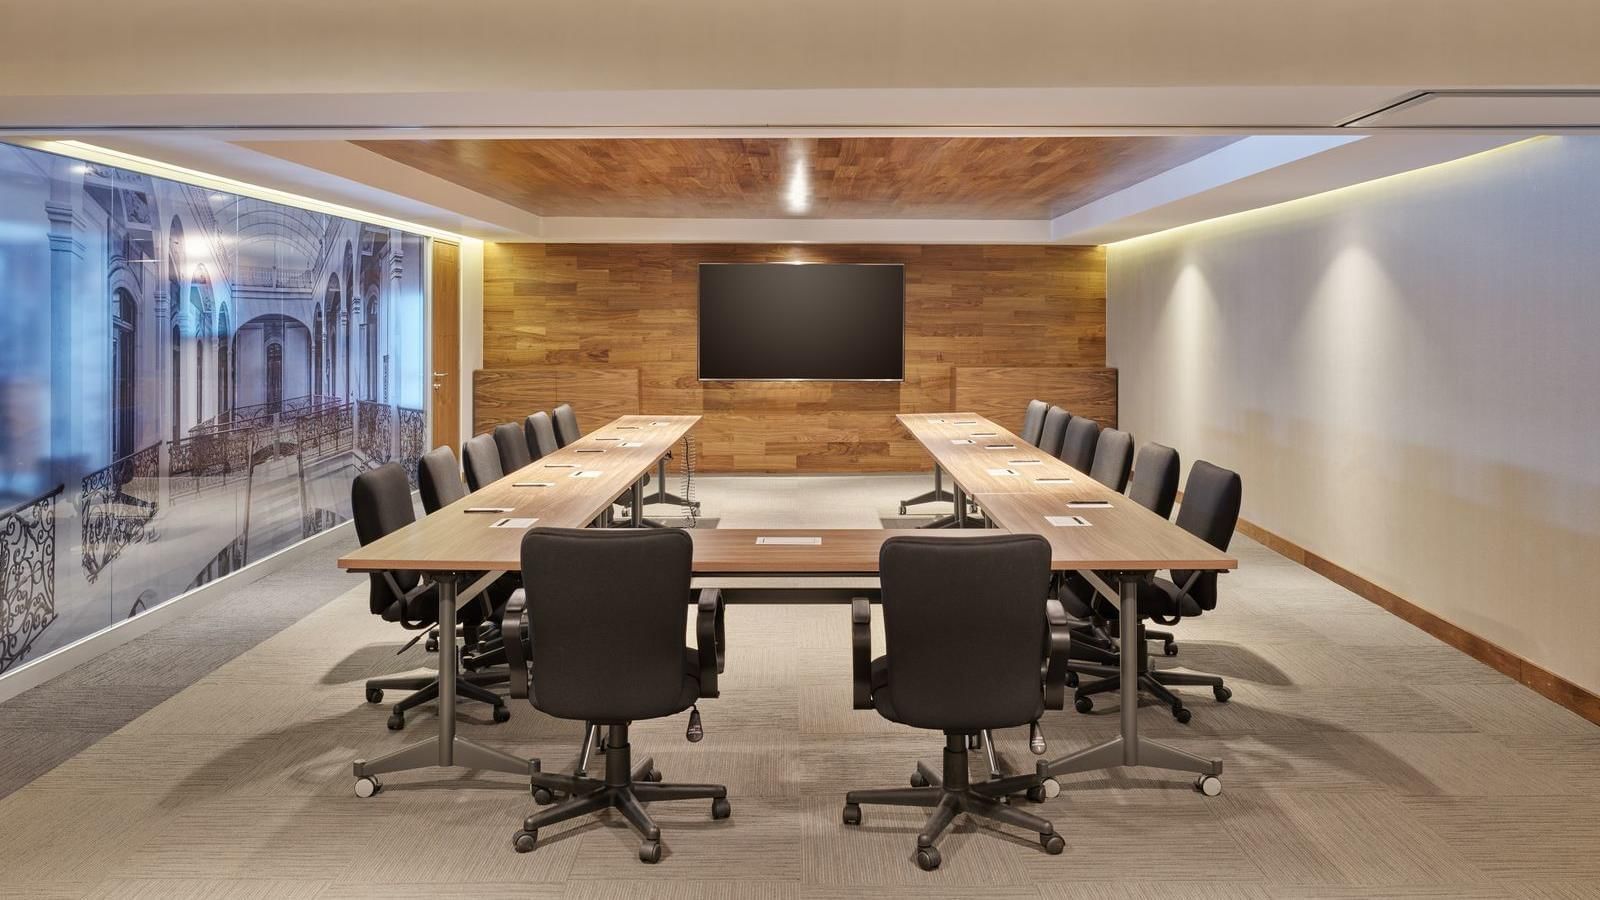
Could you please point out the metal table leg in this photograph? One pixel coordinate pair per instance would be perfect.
(1128, 748)
(446, 748)
(961, 507)
(637, 513)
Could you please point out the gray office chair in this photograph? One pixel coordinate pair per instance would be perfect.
(969, 638)
(1033, 421)
(1113, 459)
(566, 420)
(513, 446)
(540, 434)
(1078, 443)
(480, 457)
(1210, 511)
(439, 479)
(1053, 430)
(603, 619)
(380, 500)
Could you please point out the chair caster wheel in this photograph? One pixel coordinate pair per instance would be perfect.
(1072, 679)
(649, 851)
(397, 721)
(431, 645)
(374, 695)
(1036, 794)
(1052, 788)
(502, 714)
(1222, 693)
(1052, 843)
(1083, 705)
(543, 797)
(1170, 648)
(525, 841)
(721, 808)
(852, 814)
(653, 775)
(917, 781)
(1182, 715)
(1210, 785)
(928, 858)
(367, 786)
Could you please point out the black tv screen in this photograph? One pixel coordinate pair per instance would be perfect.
(814, 321)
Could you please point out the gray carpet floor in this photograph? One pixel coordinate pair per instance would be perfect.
(1363, 758)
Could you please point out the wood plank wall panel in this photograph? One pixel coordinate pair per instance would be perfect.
(633, 306)
(1001, 393)
(509, 395)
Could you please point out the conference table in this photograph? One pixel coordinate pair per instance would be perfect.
(465, 546)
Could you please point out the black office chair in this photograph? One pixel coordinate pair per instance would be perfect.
(1053, 430)
(566, 420)
(540, 435)
(1033, 421)
(1113, 459)
(971, 645)
(380, 500)
(480, 457)
(604, 617)
(1155, 479)
(1078, 443)
(439, 483)
(1210, 511)
(512, 443)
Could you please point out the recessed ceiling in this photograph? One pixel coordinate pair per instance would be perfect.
(834, 178)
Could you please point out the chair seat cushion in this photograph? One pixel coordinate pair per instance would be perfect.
(1157, 597)
(883, 699)
(423, 609)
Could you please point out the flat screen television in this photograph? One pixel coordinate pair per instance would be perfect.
(807, 322)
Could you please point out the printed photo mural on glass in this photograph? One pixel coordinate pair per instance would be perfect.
(189, 380)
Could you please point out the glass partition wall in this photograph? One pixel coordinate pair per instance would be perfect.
(189, 380)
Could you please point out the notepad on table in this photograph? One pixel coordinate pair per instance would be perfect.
(630, 444)
(514, 523)
(962, 441)
(1001, 472)
(789, 540)
(586, 473)
(1067, 521)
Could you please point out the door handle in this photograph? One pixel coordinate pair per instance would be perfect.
(441, 374)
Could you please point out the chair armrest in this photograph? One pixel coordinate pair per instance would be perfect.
(708, 637)
(514, 632)
(1058, 651)
(861, 652)
(1182, 592)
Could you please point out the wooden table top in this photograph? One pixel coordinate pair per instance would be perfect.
(836, 551)
(454, 540)
(1124, 536)
(983, 458)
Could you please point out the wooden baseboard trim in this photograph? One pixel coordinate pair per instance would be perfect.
(1574, 697)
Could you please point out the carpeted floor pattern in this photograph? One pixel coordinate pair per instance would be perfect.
(1363, 758)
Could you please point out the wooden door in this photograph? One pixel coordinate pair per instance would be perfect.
(446, 320)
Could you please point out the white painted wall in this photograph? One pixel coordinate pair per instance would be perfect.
(1405, 373)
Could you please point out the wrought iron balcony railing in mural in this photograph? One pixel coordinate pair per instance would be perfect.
(375, 431)
(325, 431)
(27, 575)
(413, 439)
(115, 504)
(258, 413)
(210, 460)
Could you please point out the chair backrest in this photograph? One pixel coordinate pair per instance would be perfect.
(566, 424)
(380, 502)
(1210, 511)
(1113, 459)
(1155, 479)
(964, 625)
(540, 434)
(1055, 427)
(607, 611)
(1077, 445)
(439, 479)
(480, 457)
(513, 446)
(1033, 421)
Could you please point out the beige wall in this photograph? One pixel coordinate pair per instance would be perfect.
(1407, 375)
